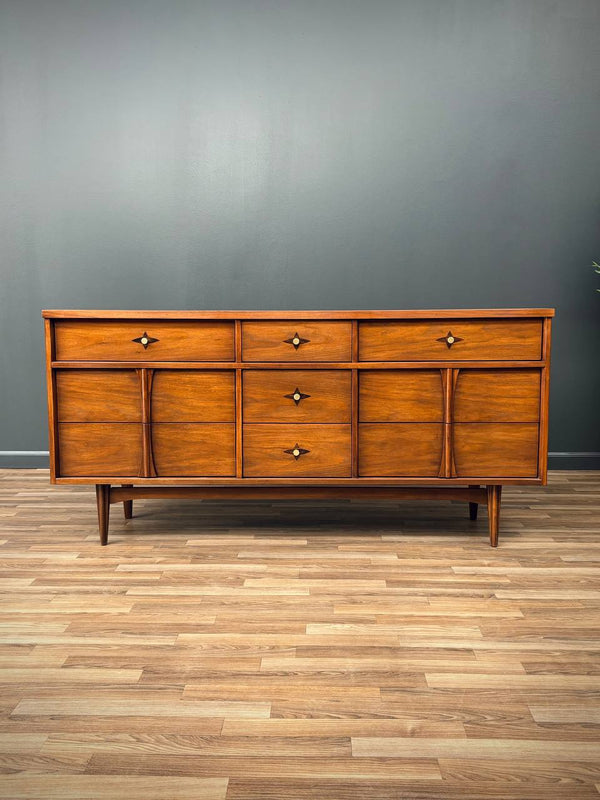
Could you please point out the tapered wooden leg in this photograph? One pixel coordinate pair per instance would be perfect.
(127, 504)
(103, 502)
(473, 506)
(493, 504)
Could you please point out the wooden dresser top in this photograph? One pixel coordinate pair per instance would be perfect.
(435, 313)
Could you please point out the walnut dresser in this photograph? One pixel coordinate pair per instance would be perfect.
(314, 404)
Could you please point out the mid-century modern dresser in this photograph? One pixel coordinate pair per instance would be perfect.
(313, 404)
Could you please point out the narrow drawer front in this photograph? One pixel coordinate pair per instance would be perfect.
(182, 395)
(489, 450)
(451, 340)
(399, 449)
(96, 449)
(125, 340)
(403, 395)
(510, 395)
(297, 451)
(297, 341)
(297, 396)
(98, 395)
(202, 450)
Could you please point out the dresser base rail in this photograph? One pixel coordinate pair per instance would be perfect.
(126, 494)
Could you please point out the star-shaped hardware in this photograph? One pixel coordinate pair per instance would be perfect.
(296, 395)
(296, 340)
(296, 451)
(144, 340)
(450, 339)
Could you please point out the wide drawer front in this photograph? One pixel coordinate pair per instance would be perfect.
(302, 451)
(451, 340)
(297, 340)
(115, 395)
(297, 395)
(116, 449)
(151, 340)
(479, 450)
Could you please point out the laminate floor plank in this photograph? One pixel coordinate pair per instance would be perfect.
(509, 789)
(272, 767)
(511, 749)
(39, 786)
(299, 651)
(131, 708)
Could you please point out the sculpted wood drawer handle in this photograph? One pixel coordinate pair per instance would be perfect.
(296, 451)
(297, 396)
(296, 340)
(450, 339)
(144, 340)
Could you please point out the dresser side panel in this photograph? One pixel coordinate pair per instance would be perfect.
(53, 442)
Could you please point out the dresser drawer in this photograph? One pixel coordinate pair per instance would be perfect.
(297, 395)
(451, 340)
(489, 450)
(300, 451)
(181, 395)
(297, 341)
(401, 395)
(92, 449)
(495, 395)
(184, 449)
(98, 395)
(399, 449)
(146, 340)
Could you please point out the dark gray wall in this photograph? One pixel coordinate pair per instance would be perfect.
(300, 154)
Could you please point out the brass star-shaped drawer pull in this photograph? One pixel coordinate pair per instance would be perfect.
(450, 339)
(296, 340)
(297, 395)
(296, 451)
(144, 340)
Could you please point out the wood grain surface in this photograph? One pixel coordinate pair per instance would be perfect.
(96, 395)
(486, 448)
(183, 448)
(96, 448)
(401, 396)
(237, 651)
(497, 395)
(323, 395)
(193, 396)
(103, 313)
(287, 651)
(473, 339)
(324, 450)
(399, 448)
(272, 341)
(175, 340)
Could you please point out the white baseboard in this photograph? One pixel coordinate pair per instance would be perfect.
(584, 460)
(23, 459)
(25, 453)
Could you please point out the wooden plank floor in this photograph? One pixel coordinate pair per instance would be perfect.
(299, 651)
